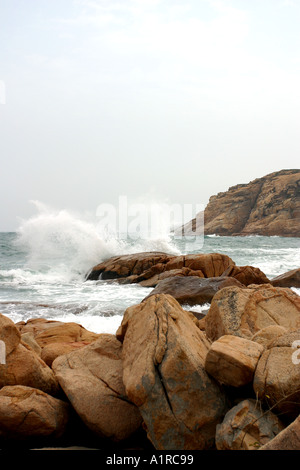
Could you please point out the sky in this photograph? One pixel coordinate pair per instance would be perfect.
(174, 100)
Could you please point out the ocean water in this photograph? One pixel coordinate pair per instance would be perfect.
(43, 267)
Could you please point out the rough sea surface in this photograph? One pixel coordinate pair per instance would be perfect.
(43, 267)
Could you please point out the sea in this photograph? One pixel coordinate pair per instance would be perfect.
(44, 263)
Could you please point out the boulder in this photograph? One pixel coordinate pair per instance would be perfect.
(268, 334)
(26, 412)
(288, 279)
(287, 439)
(193, 290)
(277, 376)
(232, 360)
(164, 375)
(204, 265)
(243, 312)
(157, 278)
(127, 265)
(28, 338)
(52, 350)
(48, 331)
(22, 366)
(148, 269)
(247, 427)
(246, 275)
(91, 378)
(9, 334)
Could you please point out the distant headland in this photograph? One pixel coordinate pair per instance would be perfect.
(268, 206)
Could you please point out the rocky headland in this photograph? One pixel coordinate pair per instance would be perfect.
(168, 379)
(268, 206)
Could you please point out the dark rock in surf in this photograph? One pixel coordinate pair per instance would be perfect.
(288, 279)
(192, 290)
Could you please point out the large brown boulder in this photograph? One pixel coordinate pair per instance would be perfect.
(127, 265)
(91, 377)
(164, 375)
(288, 279)
(246, 275)
(147, 269)
(26, 412)
(277, 376)
(50, 331)
(232, 360)
(192, 290)
(52, 350)
(9, 334)
(22, 366)
(243, 312)
(247, 427)
(53, 337)
(268, 334)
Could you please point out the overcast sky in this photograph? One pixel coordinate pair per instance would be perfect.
(178, 99)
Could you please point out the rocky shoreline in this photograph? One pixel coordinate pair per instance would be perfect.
(268, 206)
(169, 379)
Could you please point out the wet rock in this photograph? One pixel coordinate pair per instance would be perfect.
(288, 279)
(193, 290)
(147, 269)
(246, 275)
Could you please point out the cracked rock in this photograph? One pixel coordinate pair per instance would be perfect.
(244, 312)
(247, 427)
(26, 412)
(164, 375)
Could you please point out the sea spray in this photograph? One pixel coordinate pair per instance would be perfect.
(60, 243)
(43, 267)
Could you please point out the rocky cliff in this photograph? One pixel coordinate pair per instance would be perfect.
(266, 206)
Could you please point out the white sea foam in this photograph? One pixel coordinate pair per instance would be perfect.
(43, 274)
(63, 246)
